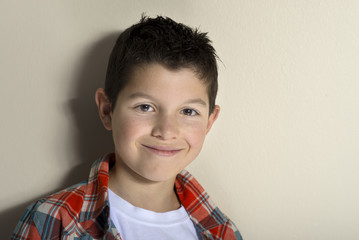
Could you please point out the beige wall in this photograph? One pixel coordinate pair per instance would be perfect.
(281, 161)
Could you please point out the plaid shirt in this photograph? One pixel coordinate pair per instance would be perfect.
(82, 211)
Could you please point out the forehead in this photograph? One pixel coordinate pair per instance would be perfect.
(156, 77)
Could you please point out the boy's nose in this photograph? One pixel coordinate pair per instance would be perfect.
(166, 128)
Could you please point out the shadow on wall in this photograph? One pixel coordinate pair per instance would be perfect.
(90, 137)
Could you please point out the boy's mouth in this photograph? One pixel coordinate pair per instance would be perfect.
(165, 151)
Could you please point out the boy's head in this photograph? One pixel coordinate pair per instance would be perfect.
(163, 41)
(159, 97)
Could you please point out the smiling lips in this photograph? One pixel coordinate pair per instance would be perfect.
(163, 150)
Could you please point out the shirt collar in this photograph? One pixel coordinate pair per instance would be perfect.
(200, 207)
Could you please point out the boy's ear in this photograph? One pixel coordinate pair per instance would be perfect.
(104, 108)
(212, 118)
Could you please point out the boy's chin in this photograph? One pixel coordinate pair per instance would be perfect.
(160, 176)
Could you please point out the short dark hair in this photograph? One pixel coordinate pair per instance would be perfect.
(164, 41)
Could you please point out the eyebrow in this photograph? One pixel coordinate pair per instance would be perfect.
(197, 101)
(144, 95)
(141, 95)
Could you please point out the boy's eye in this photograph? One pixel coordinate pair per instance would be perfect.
(189, 112)
(145, 108)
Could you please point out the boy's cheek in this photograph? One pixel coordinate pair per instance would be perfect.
(129, 128)
(195, 135)
(196, 128)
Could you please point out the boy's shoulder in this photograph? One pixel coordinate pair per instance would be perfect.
(68, 201)
(78, 200)
(72, 211)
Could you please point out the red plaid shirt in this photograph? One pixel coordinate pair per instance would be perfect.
(82, 211)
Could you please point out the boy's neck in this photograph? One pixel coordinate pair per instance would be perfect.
(153, 196)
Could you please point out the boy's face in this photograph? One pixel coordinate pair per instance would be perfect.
(159, 122)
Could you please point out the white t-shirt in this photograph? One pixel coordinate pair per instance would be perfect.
(135, 223)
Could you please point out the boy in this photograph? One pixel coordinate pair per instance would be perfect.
(159, 103)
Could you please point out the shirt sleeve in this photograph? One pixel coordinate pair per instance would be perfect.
(26, 228)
